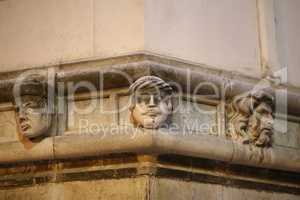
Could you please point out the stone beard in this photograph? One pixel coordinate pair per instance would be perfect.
(261, 125)
(251, 120)
(33, 118)
(150, 102)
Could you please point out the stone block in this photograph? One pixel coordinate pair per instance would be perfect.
(118, 27)
(288, 42)
(221, 34)
(195, 118)
(246, 194)
(8, 126)
(91, 115)
(134, 188)
(39, 33)
(290, 138)
(124, 116)
(165, 189)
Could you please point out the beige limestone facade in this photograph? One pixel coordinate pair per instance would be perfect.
(148, 99)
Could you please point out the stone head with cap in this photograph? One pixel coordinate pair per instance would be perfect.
(150, 102)
(33, 116)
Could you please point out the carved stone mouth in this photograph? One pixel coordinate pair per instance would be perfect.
(25, 126)
(267, 130)
(152, 112)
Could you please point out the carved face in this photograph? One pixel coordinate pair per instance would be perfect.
(151, 108)
(32, 116)
(261, 124)
(250, 119)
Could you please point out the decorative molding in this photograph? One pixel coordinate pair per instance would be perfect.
(144, 64)
(152, 141)
(108, 75)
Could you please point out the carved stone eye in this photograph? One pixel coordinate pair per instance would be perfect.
(17, 109)
(146, 98)
(143, 99)
(31, 111)
(157, 98)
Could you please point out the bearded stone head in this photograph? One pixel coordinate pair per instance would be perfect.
(250, 119)
(150, 102)
(32, 114)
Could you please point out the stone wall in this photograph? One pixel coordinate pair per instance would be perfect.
(251, 37)
(83, 125)
(139, 189)
(134, 188)
(197, 154)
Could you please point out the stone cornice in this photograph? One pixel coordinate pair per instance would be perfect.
(118, 166)
(152, 142)
(77, 145)
(141, 64)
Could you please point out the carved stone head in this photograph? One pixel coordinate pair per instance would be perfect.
(150, 102)
(33, 117)
(250, 119)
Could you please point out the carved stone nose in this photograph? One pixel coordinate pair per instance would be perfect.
(268, 122)
(21, 116)
(152, 102)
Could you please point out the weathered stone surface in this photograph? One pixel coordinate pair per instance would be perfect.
(30, 193)
(195, 118)
(114, 189)
(164, 141)
(136, 25)
(26, 150)
(205, 32)
(290, 138)
(143, 177)
(142, 64)
(236, 193)
(91, 115)
(70, 35)
(124, 114)
(120, 33)
(134, 188)
(8, 126)
(141, 188)
(165, 189)
(287, 31)
(50, 37)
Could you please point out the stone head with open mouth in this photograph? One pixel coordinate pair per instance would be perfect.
(151, 102)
